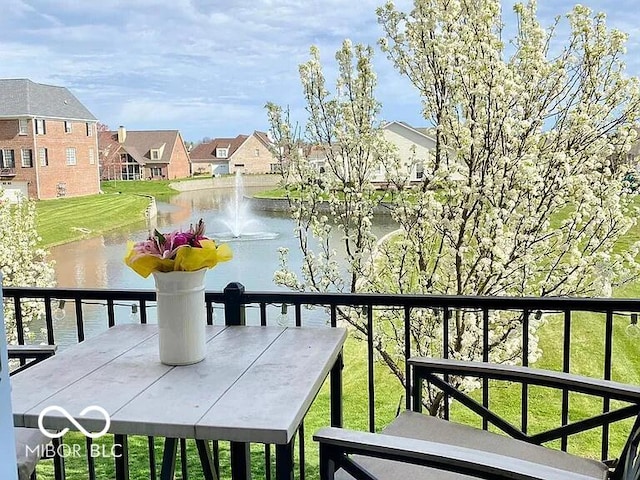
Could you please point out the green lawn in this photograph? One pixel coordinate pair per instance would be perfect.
(67, 219)
(275, 193)
(140, 187)
(123, 203)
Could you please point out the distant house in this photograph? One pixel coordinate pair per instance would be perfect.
(247, 153)
(48, 142)
(413, 146)
(143, 154)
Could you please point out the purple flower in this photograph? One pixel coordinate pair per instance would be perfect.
(167, 245)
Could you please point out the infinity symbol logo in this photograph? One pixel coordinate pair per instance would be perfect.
(55, 408)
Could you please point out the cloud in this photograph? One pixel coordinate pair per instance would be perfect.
(204, 68)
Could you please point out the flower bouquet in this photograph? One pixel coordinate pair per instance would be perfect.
(178, 262)
(177, 251)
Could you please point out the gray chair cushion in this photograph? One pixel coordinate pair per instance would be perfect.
(424, 427)
(27, 458)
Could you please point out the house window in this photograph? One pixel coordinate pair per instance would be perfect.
(23, 126)
(257, 152)
(155, 154)
(130, 171)
(67, 126)
(92, 158)
(89, 130)
(156, 171)
(419, 170)
(123, 157)
(27, 158)
(71, 156)
(40, 127)
(222, 152)
(43, 157)
(8, 159)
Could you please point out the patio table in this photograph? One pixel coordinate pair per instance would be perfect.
(255, 385)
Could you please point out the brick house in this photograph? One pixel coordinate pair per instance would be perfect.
(143, 154)
(48, 142)
(247, 153)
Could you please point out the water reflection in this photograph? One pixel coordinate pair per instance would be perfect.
(98, 262)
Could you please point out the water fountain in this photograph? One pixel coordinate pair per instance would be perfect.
(239, 224)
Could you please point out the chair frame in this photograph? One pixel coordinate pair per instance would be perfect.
(337, 444)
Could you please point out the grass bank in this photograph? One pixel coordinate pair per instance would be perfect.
(67, 219)
(123, 203)
(141, 187)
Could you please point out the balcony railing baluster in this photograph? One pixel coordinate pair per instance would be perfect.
(524, 400)
(608, 355)
(407, 355)
(111, 313)
(48, 316)
(79, 319)
(485, 358)
(446, 314)
(143, 311)
(566, 367)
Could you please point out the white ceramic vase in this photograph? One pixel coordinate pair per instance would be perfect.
(181, 316)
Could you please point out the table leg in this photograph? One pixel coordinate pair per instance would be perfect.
(169, 459)
(206, 460)
(336, 392)
(284, 461)
(121, 448)
(240, 461)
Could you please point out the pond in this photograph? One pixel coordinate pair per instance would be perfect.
(98, 262)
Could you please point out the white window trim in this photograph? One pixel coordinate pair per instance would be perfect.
(73, 158)
(24, 157)
(68, 126)
(92, 157)
(23, 126)
(222, 152)
(43, 157)
(43, 130)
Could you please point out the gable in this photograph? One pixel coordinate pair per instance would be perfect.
(400, 134)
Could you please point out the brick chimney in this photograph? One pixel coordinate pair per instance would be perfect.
(122, 134)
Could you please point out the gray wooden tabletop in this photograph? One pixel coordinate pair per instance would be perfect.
(255, 385)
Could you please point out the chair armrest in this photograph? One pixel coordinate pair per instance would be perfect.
(31, 351)
(532, 376)
(448, 457)
(35, 353)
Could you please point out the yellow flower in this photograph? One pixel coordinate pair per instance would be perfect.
(186, 259)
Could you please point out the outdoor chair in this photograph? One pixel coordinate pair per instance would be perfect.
(29, 441)
(416, 446)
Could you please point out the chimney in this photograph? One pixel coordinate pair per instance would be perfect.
(122, 134)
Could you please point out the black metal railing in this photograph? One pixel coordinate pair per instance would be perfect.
(611, 317)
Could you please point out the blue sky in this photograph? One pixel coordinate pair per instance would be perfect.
(207, 67)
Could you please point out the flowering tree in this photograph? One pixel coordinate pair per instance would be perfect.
(344, 130)
(519, 196)
(22, 264)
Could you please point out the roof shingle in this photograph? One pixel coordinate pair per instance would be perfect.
(22, 97)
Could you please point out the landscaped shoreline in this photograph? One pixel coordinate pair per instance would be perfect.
(122, 203)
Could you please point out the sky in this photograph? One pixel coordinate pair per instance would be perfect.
(208, 67)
